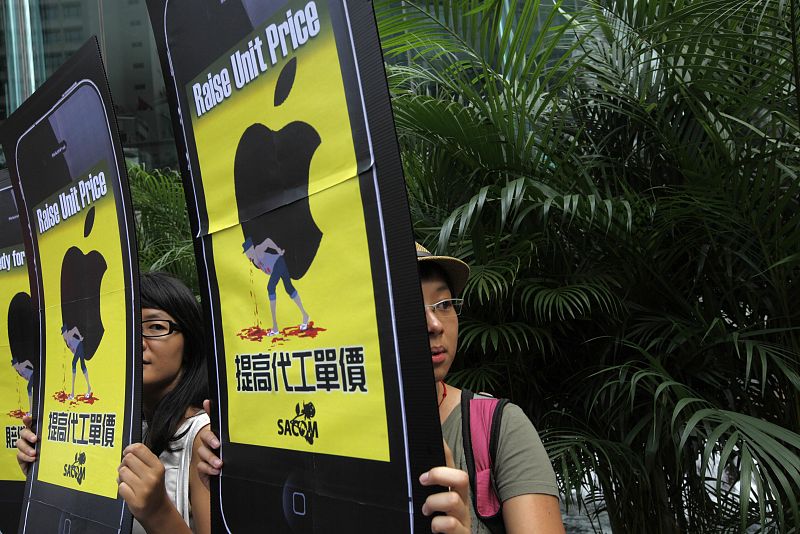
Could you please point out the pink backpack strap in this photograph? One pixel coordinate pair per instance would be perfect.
(481, 419)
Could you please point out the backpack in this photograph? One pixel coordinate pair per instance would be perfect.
(480, 429)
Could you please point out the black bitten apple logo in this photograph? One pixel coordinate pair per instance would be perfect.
(275, 166)
(23, 339)
(82, 326)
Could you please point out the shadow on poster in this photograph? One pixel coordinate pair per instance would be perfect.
(70, 185)
(19, 354)
(324, 390)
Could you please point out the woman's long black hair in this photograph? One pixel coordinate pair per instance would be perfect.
(164, 292)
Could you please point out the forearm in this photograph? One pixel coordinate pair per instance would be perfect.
(166, 520)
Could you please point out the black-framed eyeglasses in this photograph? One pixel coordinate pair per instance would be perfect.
(158, 328)
(446, 307)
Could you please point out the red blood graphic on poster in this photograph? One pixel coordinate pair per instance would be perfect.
(257, 334)
(63, 397)
(253, 333)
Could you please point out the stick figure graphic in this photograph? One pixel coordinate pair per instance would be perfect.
(82, 326)
(274, 264)
(74, 340)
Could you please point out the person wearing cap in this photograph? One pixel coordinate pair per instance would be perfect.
(523, 476)
(273, 264)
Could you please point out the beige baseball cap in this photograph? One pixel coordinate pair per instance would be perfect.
(456, 270)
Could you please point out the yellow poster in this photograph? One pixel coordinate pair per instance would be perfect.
(285, 219)
(18, 352)
(85, 325)
(69, 177)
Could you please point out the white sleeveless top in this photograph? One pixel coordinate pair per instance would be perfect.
(176, 468)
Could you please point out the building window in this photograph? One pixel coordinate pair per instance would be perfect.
(50, 12)
(52, 36)
(58, 28)
(73, 35)
(72, 10)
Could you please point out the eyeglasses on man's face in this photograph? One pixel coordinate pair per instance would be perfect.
(158, 328)
(446, 307)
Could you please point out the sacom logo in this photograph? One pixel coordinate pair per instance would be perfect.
(76, 469)
(301, 425)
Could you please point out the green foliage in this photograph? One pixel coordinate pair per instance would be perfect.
(623, 181)
(162, 224)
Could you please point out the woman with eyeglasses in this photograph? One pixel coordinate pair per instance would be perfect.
(158, 478)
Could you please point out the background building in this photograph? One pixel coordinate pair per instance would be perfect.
(37, 37)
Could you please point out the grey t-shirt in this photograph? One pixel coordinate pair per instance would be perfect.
(522, 465)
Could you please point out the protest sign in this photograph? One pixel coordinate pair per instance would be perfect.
(70, 184)
(324, 390)
(18, 353)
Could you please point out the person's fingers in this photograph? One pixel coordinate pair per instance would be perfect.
(126, 476)
(448, 502)
(26, 457)
(204, 468)
(126, 492)
(454, 502)
(447, 477)
(134, 464)
(24, 462)
(208, 458)
(446, 524)
(143, 454)
(26, 447)
(28, 436)
(207, 407)
(208, 438)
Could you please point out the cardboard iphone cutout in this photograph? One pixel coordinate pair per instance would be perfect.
(324, 395)
(70, 185)
(19, 353)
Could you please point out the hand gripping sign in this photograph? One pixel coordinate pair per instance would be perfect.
(70, 186)
(321, 369)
